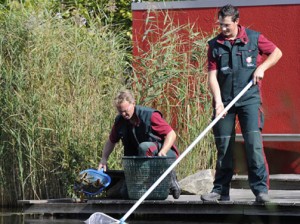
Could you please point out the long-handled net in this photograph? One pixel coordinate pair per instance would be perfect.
(100, 218)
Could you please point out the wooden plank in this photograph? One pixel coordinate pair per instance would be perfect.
(272, 209)
(274, 137)
(59, 200)
(285, 203)
(277, 182)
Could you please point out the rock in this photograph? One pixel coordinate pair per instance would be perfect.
(198, 183)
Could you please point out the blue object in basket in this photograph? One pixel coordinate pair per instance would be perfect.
(92, 182)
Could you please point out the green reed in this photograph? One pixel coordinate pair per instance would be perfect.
(170, 74)
(57, 84)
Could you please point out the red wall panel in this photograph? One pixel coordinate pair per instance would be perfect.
(281, 85)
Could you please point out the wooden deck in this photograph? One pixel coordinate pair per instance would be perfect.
(283, 203)
(277, 182)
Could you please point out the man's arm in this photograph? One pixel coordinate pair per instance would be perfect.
(271, 60)
(108, 148)
(164, 131)
(168, 143)
(215, 90)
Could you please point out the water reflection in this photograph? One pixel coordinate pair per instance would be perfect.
(13, 218)
(6, 218)
(19, 218)
(64, 221)
(22, 219)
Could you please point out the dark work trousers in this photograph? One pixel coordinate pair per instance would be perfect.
(251, 121)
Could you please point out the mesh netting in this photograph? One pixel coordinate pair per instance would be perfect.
(142, 172)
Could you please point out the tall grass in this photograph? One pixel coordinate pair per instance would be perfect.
(57, 85)
(170, 73)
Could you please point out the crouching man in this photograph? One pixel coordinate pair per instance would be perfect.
(143, 132)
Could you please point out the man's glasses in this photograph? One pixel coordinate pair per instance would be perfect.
(126, 110)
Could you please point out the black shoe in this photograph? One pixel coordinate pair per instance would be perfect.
(175, 189)
(213, 196)
(262, 197)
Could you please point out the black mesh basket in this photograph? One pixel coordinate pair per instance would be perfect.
(142, 172)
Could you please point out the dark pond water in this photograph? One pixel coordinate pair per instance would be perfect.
(16, 217)
(19, 218)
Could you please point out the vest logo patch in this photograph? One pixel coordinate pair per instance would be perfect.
(249, 62)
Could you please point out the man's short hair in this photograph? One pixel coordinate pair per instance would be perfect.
(124, 95)
(229, 10)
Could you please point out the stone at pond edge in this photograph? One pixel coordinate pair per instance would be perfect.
(198, 183)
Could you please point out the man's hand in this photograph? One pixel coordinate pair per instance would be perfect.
(108, 148)
(219, 108)
(162, 153)
(102, 166)
(168, 142)
(216, 92)
(258, 75)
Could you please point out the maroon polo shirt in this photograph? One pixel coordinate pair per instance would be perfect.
(264, 46)
(159, 126)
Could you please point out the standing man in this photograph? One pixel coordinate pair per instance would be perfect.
(143, 132)
(234, 59)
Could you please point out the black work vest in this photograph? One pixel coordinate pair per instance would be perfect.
(132, 136)
(236, 64)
